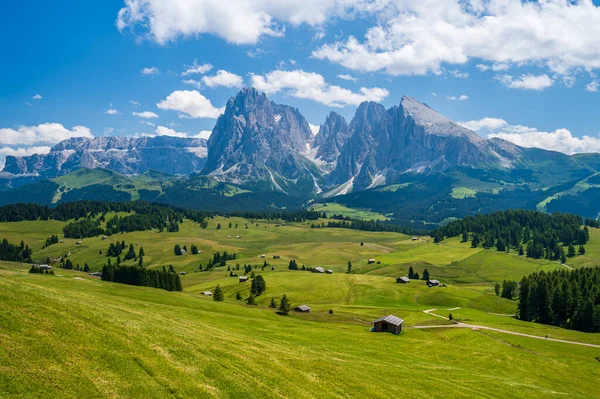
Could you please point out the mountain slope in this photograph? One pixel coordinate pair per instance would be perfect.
(413, 138)
(172, 155)
(258, 142)
(331, 138)
(407, 160)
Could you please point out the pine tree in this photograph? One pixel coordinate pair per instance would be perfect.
(571, 251)
(349, 267)
(581, 250)
(131, 253)
(284, 305)
(177, 250)
(218, 294)
(497, 289)
(416, 276)
(86, 268)
(218, 226)
(238, 296)
(251, 300)
(521, 252)
(465, 236)
(425, 274)
(273, 304)
(141, 253)
(411, 273)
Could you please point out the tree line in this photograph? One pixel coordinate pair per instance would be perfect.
(564, 298)
(82, 209)
(544, 235)
(15, 253)
(133, 275)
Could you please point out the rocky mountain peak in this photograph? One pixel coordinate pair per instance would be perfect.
(332, 136)
(257, 140)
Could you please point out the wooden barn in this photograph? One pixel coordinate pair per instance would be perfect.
(403, 280)
(371, 261)
(432, 283)
(389, 323)
(243, 279)
(318, 269)
(302, 309)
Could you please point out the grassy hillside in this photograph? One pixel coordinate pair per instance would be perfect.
(331, 209)
(72, 335)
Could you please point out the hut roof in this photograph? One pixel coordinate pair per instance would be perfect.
(404, 278)
(207, 293)
(319, 269)
(390, 319)
(433, 281)
(303, 308)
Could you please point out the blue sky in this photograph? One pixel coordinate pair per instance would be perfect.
(535, 84)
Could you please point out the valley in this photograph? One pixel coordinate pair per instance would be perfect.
(145, 341)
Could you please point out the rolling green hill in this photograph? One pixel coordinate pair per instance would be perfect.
(72, 335)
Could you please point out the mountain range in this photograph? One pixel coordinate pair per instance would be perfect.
(384, 159)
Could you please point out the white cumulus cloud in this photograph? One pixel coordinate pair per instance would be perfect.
(47, 133)
(150, 71)
(237, 21)
(526, 82)
(592, 87)
(312, 86)
(420, 37)
(223, 78)
(561, 140)
(192, 82)
(196, 69)
(458, 74)
(348, 77)
(462, 97)
(204, 134)
(37, 97)
(145, 114)
(190, 104)
(165, 131)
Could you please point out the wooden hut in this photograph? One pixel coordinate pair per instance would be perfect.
(318, 269)
(302, 309)
(389, 323)
(371, 261)
(243, 279)
(432, 283)
(403, 280)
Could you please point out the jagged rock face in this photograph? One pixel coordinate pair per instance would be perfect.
(409, 137)
(125, 155)
(258, 140)
(331, 138)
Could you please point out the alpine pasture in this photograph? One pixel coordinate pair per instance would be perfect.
(72, 335)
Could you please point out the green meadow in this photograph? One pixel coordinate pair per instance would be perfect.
(70, 335)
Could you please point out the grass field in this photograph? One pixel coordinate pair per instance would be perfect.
(336, 209)
(71, 335)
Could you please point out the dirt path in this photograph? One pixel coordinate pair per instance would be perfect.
(476, 328)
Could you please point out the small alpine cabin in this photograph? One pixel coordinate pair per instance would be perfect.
(389, 323)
